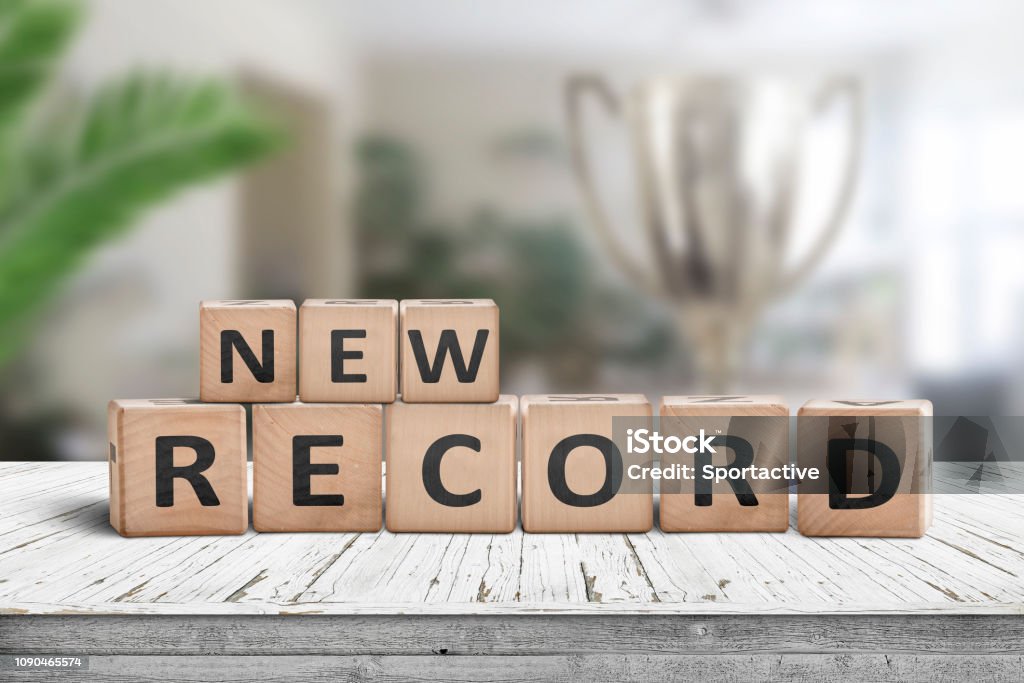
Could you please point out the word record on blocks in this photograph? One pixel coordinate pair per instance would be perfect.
(340, 385)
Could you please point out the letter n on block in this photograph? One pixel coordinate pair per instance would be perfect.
(316, 467)
(449, 351)
(573, 469)
(875, 459)
(177, 468)
(748, 431)
(247, 351)
(452, 467)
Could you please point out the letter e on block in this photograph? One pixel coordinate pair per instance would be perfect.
(316, 467)
(875, 459)
(247, 351)
(449, 351)
(348, 350)
(177, 468)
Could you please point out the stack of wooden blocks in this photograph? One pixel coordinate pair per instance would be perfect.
(178, 467)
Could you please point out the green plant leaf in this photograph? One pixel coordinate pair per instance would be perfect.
(33, 35)
(138, 141)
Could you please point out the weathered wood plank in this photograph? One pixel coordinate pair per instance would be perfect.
(597, 668)
(598, 633)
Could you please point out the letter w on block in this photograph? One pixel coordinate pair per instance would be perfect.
(449, 344)
(462, 339)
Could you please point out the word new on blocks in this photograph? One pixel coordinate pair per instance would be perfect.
(178, 467)
(348, 350)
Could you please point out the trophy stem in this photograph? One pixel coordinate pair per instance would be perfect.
(717, 342)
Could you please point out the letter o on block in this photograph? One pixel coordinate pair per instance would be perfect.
(572, 469)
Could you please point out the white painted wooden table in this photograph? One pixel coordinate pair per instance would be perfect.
(654, 592)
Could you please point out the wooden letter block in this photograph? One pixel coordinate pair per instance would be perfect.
(348, 350)
(572, 468)
(316, 467)
(177, 468)
(875, 459)
(247, 351)
(452, 467)
(449, 351)
(749, 431)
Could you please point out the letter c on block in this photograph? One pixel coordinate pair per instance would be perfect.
(432, 471)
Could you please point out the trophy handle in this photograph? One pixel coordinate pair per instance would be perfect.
(837, 88)
(576, 89)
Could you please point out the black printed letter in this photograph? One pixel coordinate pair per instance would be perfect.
(612, 463)
(432, 471)
(166, 472)
(264, 373)
(303, 469)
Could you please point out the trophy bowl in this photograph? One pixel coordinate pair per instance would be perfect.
(718, 166)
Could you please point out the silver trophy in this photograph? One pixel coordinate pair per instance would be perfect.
(718, 164)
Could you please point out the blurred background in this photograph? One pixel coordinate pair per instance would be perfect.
(154, 153)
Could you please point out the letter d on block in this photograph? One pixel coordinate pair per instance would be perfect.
(875, 461)
(177, 468)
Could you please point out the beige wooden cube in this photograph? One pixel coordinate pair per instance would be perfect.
(452, 467)
(875, 459)
(749, 431)
(177, 468)
(247, 351)
(569, 459)
(316, 467)
(449, 351)
(348, 350)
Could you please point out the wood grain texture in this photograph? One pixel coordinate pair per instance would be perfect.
(136, 428)
(514, 635)
(355, 457)
(547, 420)
(488, 470)
(902, 425)
(469, 320)
(597, 668)
(762, 422)
(252, 319)
(58, 555)
(373, 356)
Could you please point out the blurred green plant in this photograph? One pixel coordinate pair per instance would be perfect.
(73, 179)
(557, 307)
